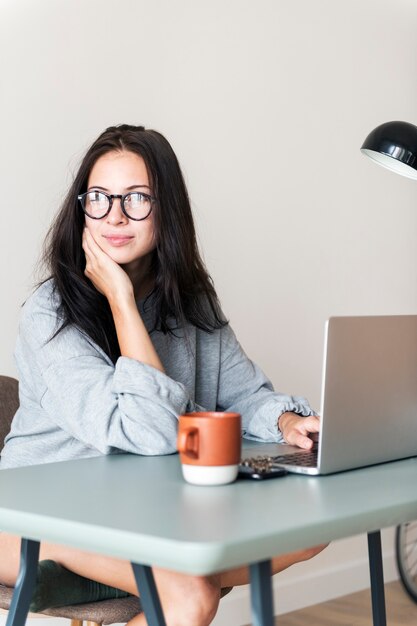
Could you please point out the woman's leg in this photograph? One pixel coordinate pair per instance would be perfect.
(186, 600)
(240, 575)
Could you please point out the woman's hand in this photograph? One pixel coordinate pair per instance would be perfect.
(296, 430)
(105, 274)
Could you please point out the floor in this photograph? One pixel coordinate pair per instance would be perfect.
(355, 610)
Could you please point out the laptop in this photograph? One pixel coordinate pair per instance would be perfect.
(368, 401)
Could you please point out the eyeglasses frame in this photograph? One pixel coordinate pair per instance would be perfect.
(111, 197)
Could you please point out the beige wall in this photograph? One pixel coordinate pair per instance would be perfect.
(266, 104)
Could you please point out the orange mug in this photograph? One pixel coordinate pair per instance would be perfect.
(209, 444)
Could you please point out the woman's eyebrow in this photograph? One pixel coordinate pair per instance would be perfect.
(135, 186)
(128, 188)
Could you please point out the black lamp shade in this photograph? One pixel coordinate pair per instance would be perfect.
(394, 146)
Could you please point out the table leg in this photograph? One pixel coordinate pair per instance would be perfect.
(261, 594)
(19, 607)
(377, 578)
(149, 597)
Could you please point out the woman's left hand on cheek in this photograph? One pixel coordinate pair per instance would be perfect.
(105, 274)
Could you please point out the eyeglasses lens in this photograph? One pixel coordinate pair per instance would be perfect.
(137, 205)
(96, 204)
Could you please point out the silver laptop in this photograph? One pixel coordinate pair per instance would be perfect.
(369, 397)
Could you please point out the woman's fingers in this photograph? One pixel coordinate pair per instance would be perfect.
(310, 424)
(302, 441)
(89, 243)
(85, 244)
(296, 430)
(92, 265)
(94, 254)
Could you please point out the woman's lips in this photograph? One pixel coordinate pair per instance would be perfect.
(117, 240)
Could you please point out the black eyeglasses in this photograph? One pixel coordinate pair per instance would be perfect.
(135, 205)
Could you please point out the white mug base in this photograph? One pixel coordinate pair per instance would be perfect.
(209, 475)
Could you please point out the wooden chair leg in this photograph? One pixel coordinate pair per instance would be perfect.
(76, 622)
(93, 623)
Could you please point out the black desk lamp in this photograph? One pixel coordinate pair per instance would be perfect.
(394, 146)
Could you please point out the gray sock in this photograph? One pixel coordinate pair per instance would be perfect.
(58, 586)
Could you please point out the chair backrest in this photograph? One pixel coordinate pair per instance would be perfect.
(9, 403)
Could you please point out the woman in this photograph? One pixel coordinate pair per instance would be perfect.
(129, 324)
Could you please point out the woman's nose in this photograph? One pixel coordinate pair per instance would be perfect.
(116, 215)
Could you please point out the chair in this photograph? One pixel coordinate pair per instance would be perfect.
(94, 613)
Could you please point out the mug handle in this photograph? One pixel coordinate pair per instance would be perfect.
(188, 442)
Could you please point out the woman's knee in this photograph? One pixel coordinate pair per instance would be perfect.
(198, 606)
(10, 558)
(279, 563)
(309, 553)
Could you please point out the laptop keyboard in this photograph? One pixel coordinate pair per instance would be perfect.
(267, 464)
(304, 459)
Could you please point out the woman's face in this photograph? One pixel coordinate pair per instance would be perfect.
(126, 241)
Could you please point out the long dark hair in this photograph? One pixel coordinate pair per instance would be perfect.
(183, 290)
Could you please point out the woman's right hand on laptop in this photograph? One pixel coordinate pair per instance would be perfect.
(297, 430)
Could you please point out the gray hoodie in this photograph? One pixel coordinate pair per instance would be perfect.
(75, 403)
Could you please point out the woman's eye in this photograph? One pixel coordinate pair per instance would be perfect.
(136, 198)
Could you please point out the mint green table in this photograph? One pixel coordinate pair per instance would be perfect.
(140, 509)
